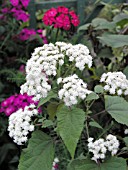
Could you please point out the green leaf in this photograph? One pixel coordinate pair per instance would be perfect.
(126, 71)
(113, 163)
(84, 27)
(47, 123)
(70, 125)
(92, 96)
(83, 164)
(114, 40)
(98, 89)
(95, 124)
(126, 141)
(39, 154)
(120, 16)
(101, 23)
(117, 107)
(51, 95)
(51, 109)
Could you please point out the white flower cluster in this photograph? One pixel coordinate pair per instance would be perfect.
(36, 85)
(44, 63)
(100, 147)
(20, 124)
(63, 47)
(112, 144)
(80, 54)
(41, 65)
(73, 88)
(116, 82)
(55, 164)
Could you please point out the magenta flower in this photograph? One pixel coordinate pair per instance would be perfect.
(22, 69)
(26, 33)
(15, 102)
(5, 10)
(16, 3)
(25, 3)
(61, 18)
(19, 14)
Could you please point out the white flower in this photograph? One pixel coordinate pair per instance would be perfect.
(59, 80)
(112, 144)
(20, 128)
(115, 83)
(80, 54)
(73, 89)
(99, 147)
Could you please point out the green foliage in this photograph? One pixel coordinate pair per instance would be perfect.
(92, 96)
(114, 40)
(98, 89)
(46, 99)
(117, 107)
(40, 152)
(70, 125)
(65, 130)
(85, 164)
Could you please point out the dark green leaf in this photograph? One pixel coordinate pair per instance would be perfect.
(126, 141)
(83, 164)
(126, 71)
(39, 154)
(113, 163)
(117, 107)
(51, 109)
(95, 124)
(70, 125)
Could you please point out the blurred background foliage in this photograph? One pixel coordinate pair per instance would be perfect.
(105, 33)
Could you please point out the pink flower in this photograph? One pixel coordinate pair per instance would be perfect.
(22, 69)
(25, 2)
(62, 9)
(5, 10)
(20, 15)
(26, 33)
(61, 18)
(15, 102)
(14, 2)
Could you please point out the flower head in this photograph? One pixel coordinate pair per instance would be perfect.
(16, 102)
(61, 17)
(20, 124)
(73, 89)
(115, 83)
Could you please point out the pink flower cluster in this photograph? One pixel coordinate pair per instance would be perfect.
(61, 17)
(26, 34)
(17, 9)
(15, 102)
